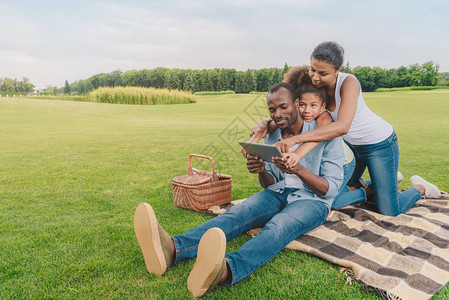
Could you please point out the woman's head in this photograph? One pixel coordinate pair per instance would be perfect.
(312, 101)
(330, 52)
(325, 63)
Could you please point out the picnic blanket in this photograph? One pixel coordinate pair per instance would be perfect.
(402, 257)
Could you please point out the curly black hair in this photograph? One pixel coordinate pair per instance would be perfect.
(300, 79)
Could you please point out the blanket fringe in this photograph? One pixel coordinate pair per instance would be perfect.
(350, 276)
(384, 294)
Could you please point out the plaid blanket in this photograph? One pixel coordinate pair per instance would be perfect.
(403, 257)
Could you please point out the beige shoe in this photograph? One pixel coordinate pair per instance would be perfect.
(153, 240)
(400, 178)
(210, 263)
(431, 190)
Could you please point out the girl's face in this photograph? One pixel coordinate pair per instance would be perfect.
(310, 106)
(322, 73)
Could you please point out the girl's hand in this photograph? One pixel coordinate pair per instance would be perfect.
(291, 159)
(285, 145)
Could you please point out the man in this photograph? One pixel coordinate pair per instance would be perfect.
(294, 201)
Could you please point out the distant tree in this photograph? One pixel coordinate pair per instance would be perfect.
(25, 86)
(158, 77)
(346, 68)
(223, 80)
(285, 70)
(443, 79)
(172, 80)
(114, 78)
(67, 88)
(98, 80)
(429, 75)
(8, 86)
(130, 78)
(240, 82)
(52, 90)
(250, 81)
(206, 83)
(74, 88)
(276, 76)
(189, 83)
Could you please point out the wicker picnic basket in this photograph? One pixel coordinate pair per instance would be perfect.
(199, 190)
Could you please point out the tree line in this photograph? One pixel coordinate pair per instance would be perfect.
(182, 79)
(250, 80)
(10, 86)
(415, 75)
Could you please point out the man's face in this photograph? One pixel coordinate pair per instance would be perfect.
(282, 108)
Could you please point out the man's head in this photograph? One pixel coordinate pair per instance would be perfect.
(281, 101)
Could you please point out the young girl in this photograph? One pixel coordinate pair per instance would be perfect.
(371, 138)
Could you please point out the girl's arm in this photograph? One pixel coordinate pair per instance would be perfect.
(350, 91)
(294, 157)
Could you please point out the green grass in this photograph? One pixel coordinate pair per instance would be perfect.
(72, 174)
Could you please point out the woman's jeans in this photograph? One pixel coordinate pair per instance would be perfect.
(282, 222)
(382, 160)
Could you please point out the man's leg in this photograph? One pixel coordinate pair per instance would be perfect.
(254, 212)
(295, 219)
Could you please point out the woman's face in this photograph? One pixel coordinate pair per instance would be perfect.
(322, 73)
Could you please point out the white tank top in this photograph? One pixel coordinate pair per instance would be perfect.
(366, 127)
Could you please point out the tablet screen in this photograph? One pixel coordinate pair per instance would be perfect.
(266, 152)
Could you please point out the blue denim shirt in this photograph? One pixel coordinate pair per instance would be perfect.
(325, 160)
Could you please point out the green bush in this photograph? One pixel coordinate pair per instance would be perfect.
(411, 88)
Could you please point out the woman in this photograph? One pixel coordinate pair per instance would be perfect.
(372, 139)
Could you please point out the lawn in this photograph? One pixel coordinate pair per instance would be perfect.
(72, 174)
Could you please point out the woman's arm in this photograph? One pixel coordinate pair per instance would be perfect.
(350, 91)
(261, 129)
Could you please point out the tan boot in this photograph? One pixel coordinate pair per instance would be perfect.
(210, 263)
(153, 240)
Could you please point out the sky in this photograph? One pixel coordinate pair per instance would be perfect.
(49, 42)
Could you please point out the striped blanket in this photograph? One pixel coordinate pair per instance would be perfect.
(403, 257)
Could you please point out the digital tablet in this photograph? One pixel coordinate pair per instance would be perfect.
(266, 152)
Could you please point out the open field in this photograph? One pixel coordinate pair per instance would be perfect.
(72, 174)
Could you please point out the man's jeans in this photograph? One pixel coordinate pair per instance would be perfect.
(281, 222)
(382, 160)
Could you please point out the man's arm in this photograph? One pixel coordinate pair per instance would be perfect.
(257, 166)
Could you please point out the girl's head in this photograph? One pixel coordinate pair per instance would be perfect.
(312, 101)
(325, 63)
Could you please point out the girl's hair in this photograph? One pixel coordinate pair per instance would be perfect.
(300, 79)
(330, 52)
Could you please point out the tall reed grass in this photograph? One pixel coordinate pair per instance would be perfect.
(140, 95)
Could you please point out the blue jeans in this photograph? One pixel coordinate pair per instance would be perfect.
(346, 196)
(382, 160)
(282, 222)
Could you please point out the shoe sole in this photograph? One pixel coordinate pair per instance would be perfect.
(147, 233)
(211, 253)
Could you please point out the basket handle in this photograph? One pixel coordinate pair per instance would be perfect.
(214, 173)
